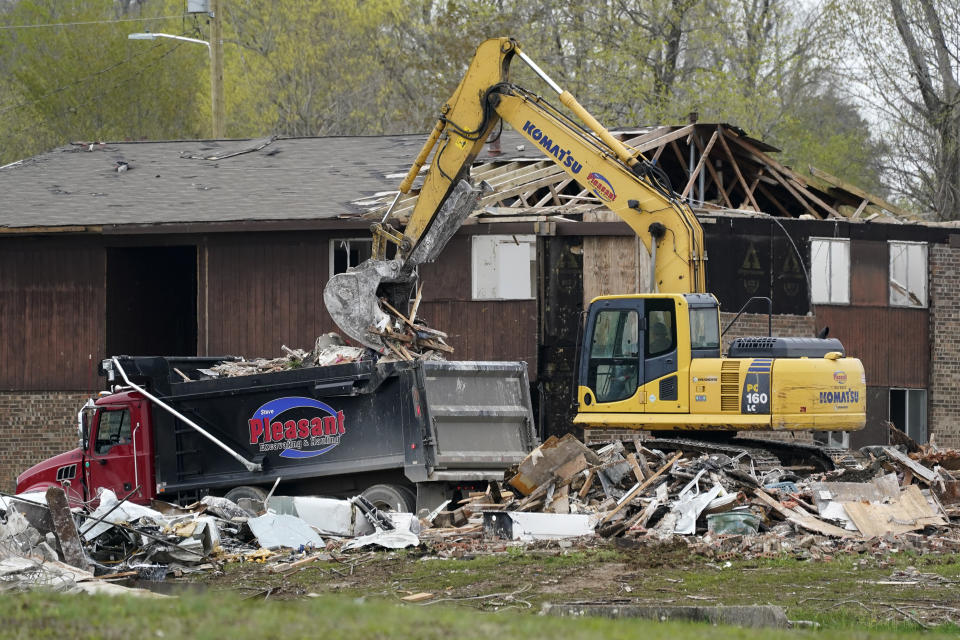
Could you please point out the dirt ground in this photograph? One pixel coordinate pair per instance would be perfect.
(874, 589)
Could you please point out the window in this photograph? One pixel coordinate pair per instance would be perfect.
(614, 355)
(830, 270)
(704, 329)
(504, 267)
(908, 412)
(114, 429)
(661, 330)
(908, 274)
(348, 252)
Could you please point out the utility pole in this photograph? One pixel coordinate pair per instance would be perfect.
(216, 69)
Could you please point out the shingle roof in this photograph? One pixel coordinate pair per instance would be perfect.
(198, 181)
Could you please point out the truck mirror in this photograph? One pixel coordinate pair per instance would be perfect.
(84, 420)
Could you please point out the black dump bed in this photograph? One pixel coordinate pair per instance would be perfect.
(434, 420)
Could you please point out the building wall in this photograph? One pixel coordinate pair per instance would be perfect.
(33, 427)
(943, 417)
(52, 296)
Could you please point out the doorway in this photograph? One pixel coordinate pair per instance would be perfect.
(152, 301)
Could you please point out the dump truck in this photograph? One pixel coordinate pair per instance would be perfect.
(406, 435)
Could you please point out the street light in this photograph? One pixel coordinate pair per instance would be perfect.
(216, 72)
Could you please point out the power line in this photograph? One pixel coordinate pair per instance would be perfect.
(116, 84)
(74, 24)
(80, 80)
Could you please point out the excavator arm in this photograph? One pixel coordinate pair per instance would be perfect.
(623, 180)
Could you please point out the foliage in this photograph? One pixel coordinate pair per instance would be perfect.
(88, 82)
(356, 67)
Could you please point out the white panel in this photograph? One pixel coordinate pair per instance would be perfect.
(840, 272)
(484, 267)
(898, 274)
(513, 271)
(819, 271)
(917, 274)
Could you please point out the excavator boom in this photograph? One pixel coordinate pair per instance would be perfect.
(621, 179)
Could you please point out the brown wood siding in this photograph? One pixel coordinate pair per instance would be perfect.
(449, 277)
(263, 292)
(869, 283)
(891, 342)
(488, 329)
(52, 297)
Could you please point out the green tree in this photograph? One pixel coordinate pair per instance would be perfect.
(89, 82)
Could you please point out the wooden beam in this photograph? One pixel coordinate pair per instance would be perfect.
(713, 172)
(774, 167)
(863, 205)
(796, 194)
(633, 493)
(736, 169)
(846, 186)
(807, 192)
(773, 199)
(699, 167)
(663, 139)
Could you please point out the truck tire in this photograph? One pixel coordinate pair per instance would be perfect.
(255, 494)
(388, 497)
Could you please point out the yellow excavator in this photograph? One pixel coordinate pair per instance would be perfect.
(648, 361)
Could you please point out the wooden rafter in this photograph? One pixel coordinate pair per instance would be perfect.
(704, 155)
(736, 169)
(713, 172)
(773, 199)
(778, 171)
(860, 193)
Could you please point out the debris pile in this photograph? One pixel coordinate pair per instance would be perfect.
(630, 493)
(404, 340)
(566, 489)
(44, 543)
(408, 337)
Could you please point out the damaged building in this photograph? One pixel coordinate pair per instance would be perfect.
(194, 248)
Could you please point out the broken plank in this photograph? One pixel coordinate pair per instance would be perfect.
(641, 486)
(637, 471)
(801, 518)
(920, 471)
(417, 597)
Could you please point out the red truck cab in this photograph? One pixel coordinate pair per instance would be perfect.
(115, 452)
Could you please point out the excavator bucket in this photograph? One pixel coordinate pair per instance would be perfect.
(352, 297)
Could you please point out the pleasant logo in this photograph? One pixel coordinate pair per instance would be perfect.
(602, 187)
(299, 427)
(840, 377)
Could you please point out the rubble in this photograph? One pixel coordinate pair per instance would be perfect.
(564, 492)
(403, 340)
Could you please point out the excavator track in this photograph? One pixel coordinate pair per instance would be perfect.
(765, 455)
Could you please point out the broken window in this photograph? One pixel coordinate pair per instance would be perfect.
(348, 252)
(908, 274)
(504, 267)
(830, 270)
(908, 412)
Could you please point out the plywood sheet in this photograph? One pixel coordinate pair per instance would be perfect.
(908, 513)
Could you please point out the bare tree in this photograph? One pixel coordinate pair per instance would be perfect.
(915, 90)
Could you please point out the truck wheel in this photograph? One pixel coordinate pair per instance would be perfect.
(389, 497)
(253, 494)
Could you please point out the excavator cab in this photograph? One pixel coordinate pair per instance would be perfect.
(635, 346)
